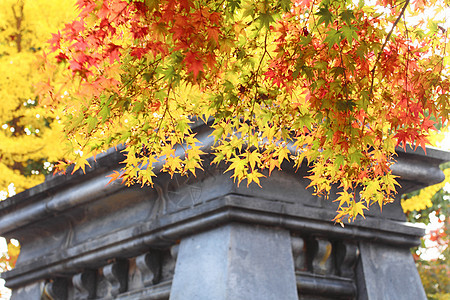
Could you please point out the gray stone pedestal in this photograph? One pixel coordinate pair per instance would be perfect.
(205, 237)
(234, 262)
(388, 269)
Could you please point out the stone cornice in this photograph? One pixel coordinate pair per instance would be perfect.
(72, 223)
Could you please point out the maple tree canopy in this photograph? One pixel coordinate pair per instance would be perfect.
(338, 83)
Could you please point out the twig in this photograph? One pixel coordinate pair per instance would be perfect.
(384, 44)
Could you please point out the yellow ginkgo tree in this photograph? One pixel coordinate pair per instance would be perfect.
(30, 135)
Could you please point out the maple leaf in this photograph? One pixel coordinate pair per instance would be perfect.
(75, 66)
(86, 7)
(213, 34)
(193, 64)
(272, 164)
(349, 32)
(325, 15)
(138, 52)
(114, 52)
(265, 18)
(55, 41)
(347, 16)
(114, 176)
(357, 209)
(61, 57)
(254, 177)
(80, 45)
(254, 158)
(344, 199)
(80, 163)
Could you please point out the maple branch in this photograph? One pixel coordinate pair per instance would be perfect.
(219, 6)
(444, 31)
(408, 52)
(262, 56)
(139, 73)
(384, 45)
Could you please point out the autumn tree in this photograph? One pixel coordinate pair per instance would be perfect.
(28, 146)
(337, 83)
(30, 135)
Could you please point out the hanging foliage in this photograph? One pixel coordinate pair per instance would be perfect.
(337, 83)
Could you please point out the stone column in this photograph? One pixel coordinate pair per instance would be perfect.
(233, 262)
(387, 273)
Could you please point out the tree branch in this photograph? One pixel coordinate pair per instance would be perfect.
(384, 44)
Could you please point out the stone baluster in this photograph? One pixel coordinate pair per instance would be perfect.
(85, 285)
(149, 264)
(117, 276)
(322, 262)
(174, 251)
(55, 289)
(346, 257)
(298, 253)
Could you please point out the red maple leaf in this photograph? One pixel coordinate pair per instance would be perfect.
(113, 52)
(193, 64)
(55, 41)
(213, 34)
(138, 52)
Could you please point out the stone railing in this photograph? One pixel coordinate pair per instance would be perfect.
(205, 237)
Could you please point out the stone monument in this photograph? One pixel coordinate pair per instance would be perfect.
(206, 237)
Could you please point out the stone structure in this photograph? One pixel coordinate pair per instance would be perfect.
(205, 237)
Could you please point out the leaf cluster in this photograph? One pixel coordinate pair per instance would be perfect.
(333, 83)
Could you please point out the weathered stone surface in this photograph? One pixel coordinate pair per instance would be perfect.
(116, 275)
(298, 253)
(70, 224)
(85, 285)
(387, 273)
(347, 254)
(56, 289)
(34, 290)
(149, 265)
(321, 262)
(235, 262)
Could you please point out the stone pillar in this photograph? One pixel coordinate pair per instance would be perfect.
(233, 262)
(387, 273)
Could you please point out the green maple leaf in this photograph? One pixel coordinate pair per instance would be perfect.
(285, 5)
(339, 161)
(137, 106)
(170, 74)
(265, 19)
(347, 16)
(325, 16)
(333, 37)
(356, 157)
(233, 5)
(104, 113)
(92, 123)
(349, 32)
